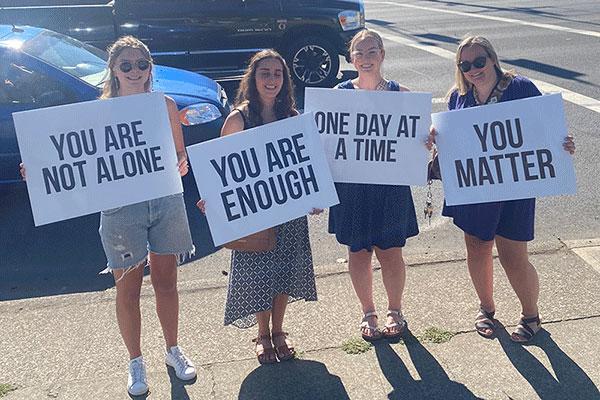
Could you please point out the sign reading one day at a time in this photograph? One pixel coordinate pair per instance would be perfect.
(85, 157)
(505, 151)
(373, 137)
(262, 177)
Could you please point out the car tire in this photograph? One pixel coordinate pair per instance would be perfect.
(313, 61)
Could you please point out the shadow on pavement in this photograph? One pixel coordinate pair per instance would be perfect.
(434, 382)
(295, 379)
(178, 391)
(569, 380)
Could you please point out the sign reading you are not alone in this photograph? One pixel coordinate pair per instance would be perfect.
(86, 157)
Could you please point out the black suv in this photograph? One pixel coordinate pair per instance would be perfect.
(215, 37)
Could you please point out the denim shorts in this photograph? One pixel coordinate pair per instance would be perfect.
(160, 225)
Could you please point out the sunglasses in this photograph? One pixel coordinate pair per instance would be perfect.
(369, 54)
(141, 64)
(479, 62)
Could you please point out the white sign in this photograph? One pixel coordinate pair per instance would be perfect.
(85, 157)
(373, 136)
(505, 151)
(262, 177)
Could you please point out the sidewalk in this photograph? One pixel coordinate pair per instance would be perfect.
(68, 347)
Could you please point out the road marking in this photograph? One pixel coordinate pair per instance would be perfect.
(573, 97)
(489, 17)
(588, 250)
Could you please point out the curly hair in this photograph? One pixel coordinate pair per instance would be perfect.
(111, 84)
(247, 95)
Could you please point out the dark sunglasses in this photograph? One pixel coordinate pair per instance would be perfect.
(479, 62)
(141, 64)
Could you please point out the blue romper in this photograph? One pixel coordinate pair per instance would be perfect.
(373, 215)
(512, 219)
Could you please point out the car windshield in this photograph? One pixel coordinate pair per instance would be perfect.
(78, 59)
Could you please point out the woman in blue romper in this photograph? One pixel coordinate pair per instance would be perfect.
(507, 223)
(375, 218)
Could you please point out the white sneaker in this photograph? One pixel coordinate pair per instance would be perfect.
(137, 384)
(184, 368)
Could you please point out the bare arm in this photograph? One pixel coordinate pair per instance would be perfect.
(234, 123)
(177, 132)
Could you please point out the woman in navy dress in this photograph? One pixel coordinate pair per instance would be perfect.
(374, 218)
(509, 224)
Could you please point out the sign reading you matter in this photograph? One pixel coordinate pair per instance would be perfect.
(504, 151)
(262, 177)
(86, 157)
(373, 136)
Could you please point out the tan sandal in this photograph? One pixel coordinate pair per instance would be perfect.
(285, 350)
(264, 350)
(373, 331)
(391, 331)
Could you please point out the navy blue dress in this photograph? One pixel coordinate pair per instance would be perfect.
(373, 215)
(512, 219)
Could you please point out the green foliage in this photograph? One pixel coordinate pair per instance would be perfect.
(436, 335)
(5, 388)
(355, 346)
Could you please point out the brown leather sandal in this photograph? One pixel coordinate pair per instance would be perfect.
(285, 350)
(526, 329)
(264, 350)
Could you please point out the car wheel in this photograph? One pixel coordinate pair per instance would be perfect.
(313, 62)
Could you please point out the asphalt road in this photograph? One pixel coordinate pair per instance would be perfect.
(554, 42)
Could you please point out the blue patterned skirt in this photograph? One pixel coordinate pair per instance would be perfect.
(256, 278)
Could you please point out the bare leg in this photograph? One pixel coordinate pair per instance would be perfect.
(163, 273)
(361, 274)
(128, 308)
(481, 269)
(393, 271)
(521, 274)
(264, 348)
(283, 346)
(279, 305)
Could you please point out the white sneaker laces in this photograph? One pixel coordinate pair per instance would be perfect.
(182, 361)
(138, 372)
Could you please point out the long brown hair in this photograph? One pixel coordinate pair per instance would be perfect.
(111, 84)
(460, 82)
(248, 96)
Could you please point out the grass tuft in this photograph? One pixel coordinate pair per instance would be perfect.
(355, 346)
(5, 388)
(436, 335)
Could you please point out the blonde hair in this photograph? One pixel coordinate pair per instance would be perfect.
(364, 34)
(111, 84)
(460, 82)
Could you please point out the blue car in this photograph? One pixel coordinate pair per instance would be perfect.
(41, 68)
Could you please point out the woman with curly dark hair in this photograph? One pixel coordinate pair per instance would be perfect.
(261, 284)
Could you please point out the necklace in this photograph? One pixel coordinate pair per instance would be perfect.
(476, 96)
(382, 85)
